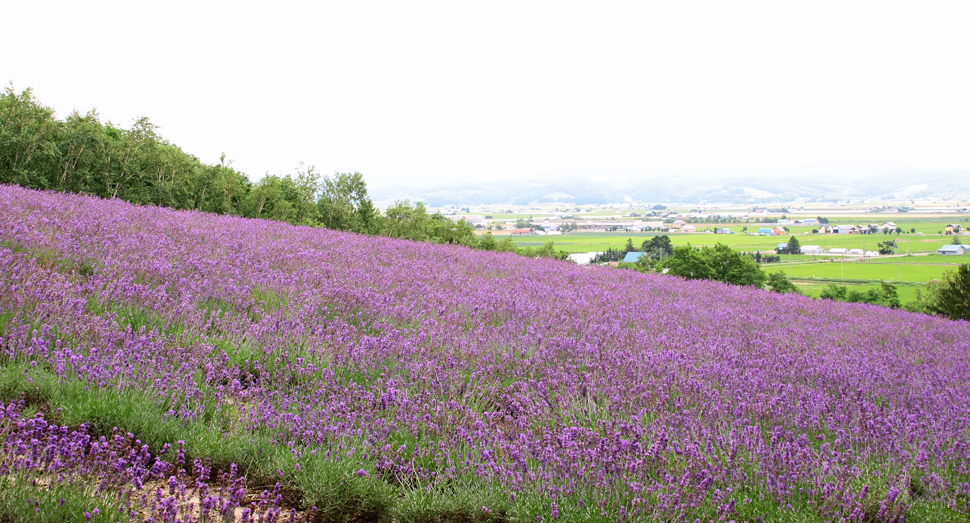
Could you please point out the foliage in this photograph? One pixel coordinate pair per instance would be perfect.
(887, 295)
(719, 263)
(609, 255)
(952, 298)
(658, 247)
(792, 247)
(345, 206)
(82, 154)
(778, 282)
(887, 247)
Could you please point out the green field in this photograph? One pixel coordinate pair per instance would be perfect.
(594, 242)
(858, 270)
(906, 293)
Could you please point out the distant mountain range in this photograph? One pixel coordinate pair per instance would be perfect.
(814, 184)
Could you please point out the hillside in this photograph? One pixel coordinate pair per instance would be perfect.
(236, 365)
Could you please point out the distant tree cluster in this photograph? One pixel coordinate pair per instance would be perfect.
(885, 295)
(80, 154)
(718, 263)
(83, 155)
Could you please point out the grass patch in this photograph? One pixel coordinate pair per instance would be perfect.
(27, 499)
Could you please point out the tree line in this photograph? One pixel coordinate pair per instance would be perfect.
(82, 154)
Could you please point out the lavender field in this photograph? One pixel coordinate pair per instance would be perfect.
(176, 366)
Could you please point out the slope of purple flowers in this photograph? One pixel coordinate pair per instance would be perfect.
(378, 379)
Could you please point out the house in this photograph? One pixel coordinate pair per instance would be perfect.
(779, 231)
(889, 225)
(632, 257)
(678, 224)
(856, 252)
(781, 246)
(951, 250)
(953, 228)
(766, 231)
(845, 229)
(812, 249)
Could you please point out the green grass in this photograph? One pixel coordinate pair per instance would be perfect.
(25, 498)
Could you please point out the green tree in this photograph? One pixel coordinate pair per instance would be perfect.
(890, 295)
(28, 146)
(793, 247)
(402, 220)
(658, 247)
(546, 251)
(778, 282)
(888, 247)
(272, 198)
(952, 298)
(344, 204)
(731, 266)
(629, 246)
(687, 262)
(719, 263)
(834, 292)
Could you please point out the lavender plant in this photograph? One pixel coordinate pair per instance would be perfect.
(187, 366)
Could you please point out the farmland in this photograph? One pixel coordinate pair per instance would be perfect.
(165, 364)
(588, 242)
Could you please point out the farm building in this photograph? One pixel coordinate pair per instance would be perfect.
(725, 231)
(632, 257)
(779, 231)
(521, 232)
(951, 250)
(781, 246)
(841, 251)
(856, 252)
(688, 228)
(953, 228)
(583, 258)
(872, 254)
(812, 249)
(766, 231)
(808, 221)
(845, 229)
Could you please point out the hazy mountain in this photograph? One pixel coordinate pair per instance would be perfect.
(823, 183)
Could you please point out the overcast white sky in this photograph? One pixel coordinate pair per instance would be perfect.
(408, 90)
